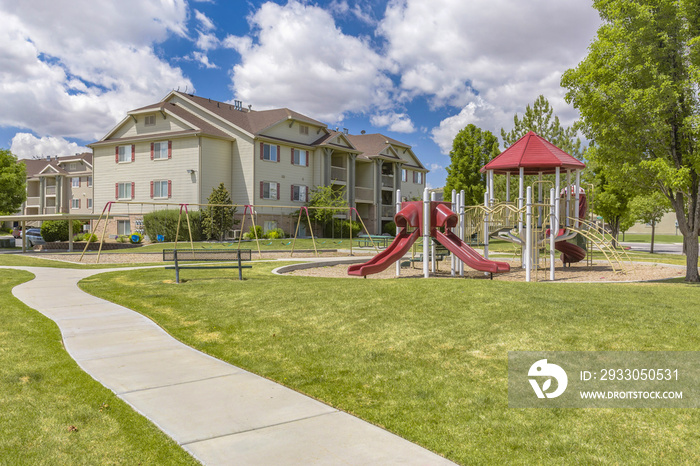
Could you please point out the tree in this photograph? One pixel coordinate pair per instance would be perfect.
(649, 208)
(217, 219)
(637, 95)
(472, 148)
(538, 118)
(326, 196)
(13, 179)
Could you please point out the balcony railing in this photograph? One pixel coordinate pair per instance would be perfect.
(33, 201)
(339, 173)
(388, 181)
(50, 210)
(388, 211)
(364, 194)
(51, 190)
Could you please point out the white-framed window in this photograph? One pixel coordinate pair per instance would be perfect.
(75, 181)
(73, 166)
(299, 193)
(89, 182)
(303, 129)
(300, 157)
(150, 120)
(161, 150)
(269, 152)
(269, 190)
(125, 191)
(89, 202)
(123, 227)
(404, 175)
(75, 204)
(269, 225)
(418, 177)
(161, 189)
(125, 154)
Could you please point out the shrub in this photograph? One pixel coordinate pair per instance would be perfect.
(57, 230)
(90, 237)
(342, 228)
(390, 228)
(246, 235)
(275, 233)
(258, 230)
(123, 238)
(164, 222)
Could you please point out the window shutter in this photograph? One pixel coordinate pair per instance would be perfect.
(279, 154)
(306, 196)
(133, 190)
(133, 152)
(116, 154)
(262, 152)
(307, 158)
(170, 149)
(151, 189)
(152, 144)
(170, 188)
(261, 190)
(79, 203)
(292, 195)
(80, 182)
(116, 190)
(278, 190)
(292, 156)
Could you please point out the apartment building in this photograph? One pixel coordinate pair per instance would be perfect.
(58, 185)
(179, 149)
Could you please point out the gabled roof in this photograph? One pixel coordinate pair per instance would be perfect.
(37, 167)
(372, 145)
(535, 154)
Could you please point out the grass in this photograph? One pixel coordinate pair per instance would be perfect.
(30, 261)
(646, 238)
(51, 412)
(427, 359)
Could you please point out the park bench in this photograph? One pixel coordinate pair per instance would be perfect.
(207, 255)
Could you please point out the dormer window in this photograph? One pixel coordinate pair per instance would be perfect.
(150, 120)
(303, 129)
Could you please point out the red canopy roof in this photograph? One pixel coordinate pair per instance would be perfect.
(535, 154)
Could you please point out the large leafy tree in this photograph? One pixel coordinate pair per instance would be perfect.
(637, 93)
(540, 118)
(217, 217)
(13, 179)
(472, 148)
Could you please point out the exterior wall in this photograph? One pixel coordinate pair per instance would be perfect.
(216, 165)
(409, 189)
(185, 187)
(667, 226)
(83, 193)
(242, 170)
(283, 131)
(163, 125)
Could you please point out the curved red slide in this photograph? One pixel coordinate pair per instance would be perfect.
(396, 250)
(570, 253)
(468, 255)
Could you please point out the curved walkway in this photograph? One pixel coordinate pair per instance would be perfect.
(219, 413)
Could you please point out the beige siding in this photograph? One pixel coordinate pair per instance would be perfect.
(410, 189)
(283, 131)
(185, 155)
(216, 165)
(242, 176)
(138, 128)
(284, 173)
(208, 117)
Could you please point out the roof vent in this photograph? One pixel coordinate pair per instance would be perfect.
(346, 131)
(48, 158)
(238, 105)
(250, 108)
(363, 131)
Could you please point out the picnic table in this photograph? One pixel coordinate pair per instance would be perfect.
(381, 241)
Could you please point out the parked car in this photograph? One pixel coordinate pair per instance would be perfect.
(34, 237)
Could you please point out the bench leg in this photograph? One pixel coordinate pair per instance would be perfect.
(177, 270)
(240, 270)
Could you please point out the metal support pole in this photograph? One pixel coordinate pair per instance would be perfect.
(521, 193)
(454, 209)
(432, 243)
(553, 228)
(528, 235)
(398, 207)
(426, 232)
(491, 196)
(568, 196)
(557, 186)
(578, 196)
(177, 269)
(486, 226)
(540, 194)
(461, 227)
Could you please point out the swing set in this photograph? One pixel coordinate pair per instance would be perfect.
(249, 211)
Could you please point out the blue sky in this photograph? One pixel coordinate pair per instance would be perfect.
(414, 70)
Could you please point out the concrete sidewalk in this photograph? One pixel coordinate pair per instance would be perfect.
(219, 413)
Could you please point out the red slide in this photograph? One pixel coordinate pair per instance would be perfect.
(570, 253)
(468, 255)
(396, 250)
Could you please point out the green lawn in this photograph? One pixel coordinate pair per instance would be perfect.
(51, 412)
(427, 359)
(646, 238)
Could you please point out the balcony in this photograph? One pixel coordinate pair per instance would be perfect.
(364, 194)
(33, 201)
(388, 211)
(388, 181)
(51, 190)
(339, 174)
(50, 210)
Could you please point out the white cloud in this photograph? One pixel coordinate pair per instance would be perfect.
(26, 146)
(397, 122)
(69, 78)
(203, 59)
(487, 54)
(435, 166)
(204, 21)
(298, 58)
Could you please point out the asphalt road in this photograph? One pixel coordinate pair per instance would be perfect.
(659, 248)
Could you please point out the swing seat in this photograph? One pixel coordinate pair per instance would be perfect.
(286, 244)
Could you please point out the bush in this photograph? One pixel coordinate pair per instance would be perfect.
(246, 235)
(258, 230)
(89, 237)
(57, 230)
(275, 233)
(390, 228)
(123, 239)
(164, 222)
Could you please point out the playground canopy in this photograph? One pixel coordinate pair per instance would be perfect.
(535, 155)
